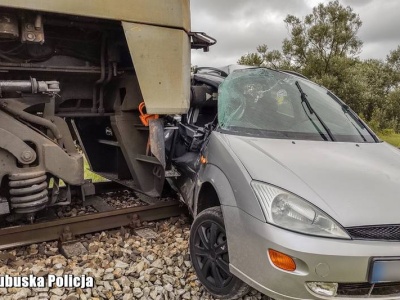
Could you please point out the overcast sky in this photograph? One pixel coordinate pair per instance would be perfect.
(241, 25)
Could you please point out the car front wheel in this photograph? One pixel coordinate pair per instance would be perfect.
(209, 255)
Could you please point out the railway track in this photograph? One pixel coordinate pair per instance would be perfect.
(64, 228)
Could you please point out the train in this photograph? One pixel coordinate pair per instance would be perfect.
(89, 79)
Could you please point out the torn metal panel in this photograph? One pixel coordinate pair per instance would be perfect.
(157, 145)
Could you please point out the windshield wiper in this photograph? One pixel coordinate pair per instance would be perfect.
(348, 111)
(312, 111)
(359, 132)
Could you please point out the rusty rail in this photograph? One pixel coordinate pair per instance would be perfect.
(16, 236)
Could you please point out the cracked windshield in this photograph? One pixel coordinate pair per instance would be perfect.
(268, 103)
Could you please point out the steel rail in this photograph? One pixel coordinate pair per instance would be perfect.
(17, 236)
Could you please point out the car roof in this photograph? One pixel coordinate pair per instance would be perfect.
(215, 76)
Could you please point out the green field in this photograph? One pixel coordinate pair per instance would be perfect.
(391, 138)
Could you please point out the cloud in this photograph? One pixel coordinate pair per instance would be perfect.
(381, 22)
(240, 26)
(357, 3)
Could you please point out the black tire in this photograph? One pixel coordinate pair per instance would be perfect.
(210, 259)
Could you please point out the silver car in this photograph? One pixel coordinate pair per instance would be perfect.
(291, 192)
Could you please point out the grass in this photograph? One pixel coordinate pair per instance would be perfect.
(391, 138)
(87, 175)
(90, 175)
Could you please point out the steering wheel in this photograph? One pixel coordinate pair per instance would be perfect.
(245, 92)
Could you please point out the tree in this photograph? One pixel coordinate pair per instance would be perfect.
(322, 43)
(251, 59)
(365, 86)
(263, 57)
(393, 61)
(323, 40)
(392, 111)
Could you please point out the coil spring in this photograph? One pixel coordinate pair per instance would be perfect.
(28, 192)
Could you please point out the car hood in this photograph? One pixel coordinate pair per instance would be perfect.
(356, 184)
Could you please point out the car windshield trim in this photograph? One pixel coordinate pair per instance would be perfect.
(288, 135)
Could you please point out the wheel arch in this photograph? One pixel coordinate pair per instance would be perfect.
(213, 189)
(208, 197)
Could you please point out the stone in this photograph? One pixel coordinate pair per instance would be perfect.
(150, 258)
(137, 292)
(82, 297)
(168, 261)
(73, 249)
(124, 281)
(139, 267)
(107, 286)
(126, 289)
(59, 260)
(40, 290)
(21, 294)
(108, 276)
(118, 294)
(157, 264)
(13, 290)
(118, 273)
(33, 250)
(42, 273)
(116, 286)
(58, 266)
(168, 279)
(153, 294)
(146, 233)
(43, 296)
(121, 264)
(127, 297)
(169, 287)
(57, 291)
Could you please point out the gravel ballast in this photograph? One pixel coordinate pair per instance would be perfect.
(123, 265)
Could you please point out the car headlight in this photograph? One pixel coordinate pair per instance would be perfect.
(289, 211)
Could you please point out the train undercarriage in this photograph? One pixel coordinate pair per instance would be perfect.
(70, 87)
